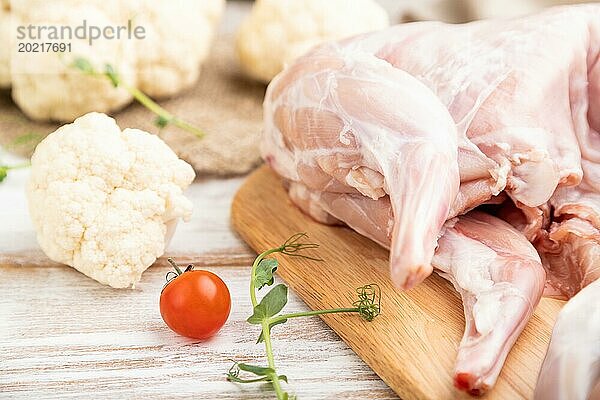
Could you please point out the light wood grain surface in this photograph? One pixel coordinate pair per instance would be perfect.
(63, 335)
(412, 345)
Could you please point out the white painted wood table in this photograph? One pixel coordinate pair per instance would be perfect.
(63, 335)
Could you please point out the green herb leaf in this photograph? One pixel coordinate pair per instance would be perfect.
(5, 168)
(275, 300)
(268, 314)
(264, 273)
(265, 373)
(26, 139)
(270, 305)
(261, 338)
(84, 65)
(255, 369)
(161, 121)
(232, 378)
(257, 317)
(112, 74)
(237, 379)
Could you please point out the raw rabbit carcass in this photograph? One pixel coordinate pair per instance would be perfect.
(360, 131)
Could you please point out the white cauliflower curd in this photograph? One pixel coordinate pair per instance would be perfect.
(178, 38)
(162, 60)
(46, 86)
(106, 201)
(279, 31)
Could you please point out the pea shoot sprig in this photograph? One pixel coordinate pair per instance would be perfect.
(267, 312)
(163, 117)
(4, 169)
(26, 139)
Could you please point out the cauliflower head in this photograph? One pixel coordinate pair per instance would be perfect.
(46, 86)
(279, 31)
(178, 34)
(178, 38)
(106, 201)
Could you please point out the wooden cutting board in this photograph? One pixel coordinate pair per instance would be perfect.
(412, 345)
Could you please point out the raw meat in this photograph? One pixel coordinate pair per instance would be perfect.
(571, 368)
(347, 118)
(396, 131)
(352, 123)
(570, 245)
(491, 264)
(501, 279)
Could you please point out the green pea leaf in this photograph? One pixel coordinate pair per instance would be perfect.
(233, 378)
(275, 300)
(3, 173)
(270, 305)
(161, 121)
(261, 338)
(112, 74)
(30, 138)
(258, 315)
(265, 373)
(264, 273)
(237, 379)
(84, 65)
(255, 369)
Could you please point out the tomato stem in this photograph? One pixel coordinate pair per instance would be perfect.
(174, 265)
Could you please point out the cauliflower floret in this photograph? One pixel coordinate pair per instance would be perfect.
(279, 31)
(178, 37)
(5, 48)
(104, 201)
(46, 86)
(178, 34)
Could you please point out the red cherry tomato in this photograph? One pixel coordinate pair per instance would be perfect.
(195, 304)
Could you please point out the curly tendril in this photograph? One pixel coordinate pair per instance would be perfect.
(369, 301)
(234, 371)
(293, 246)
